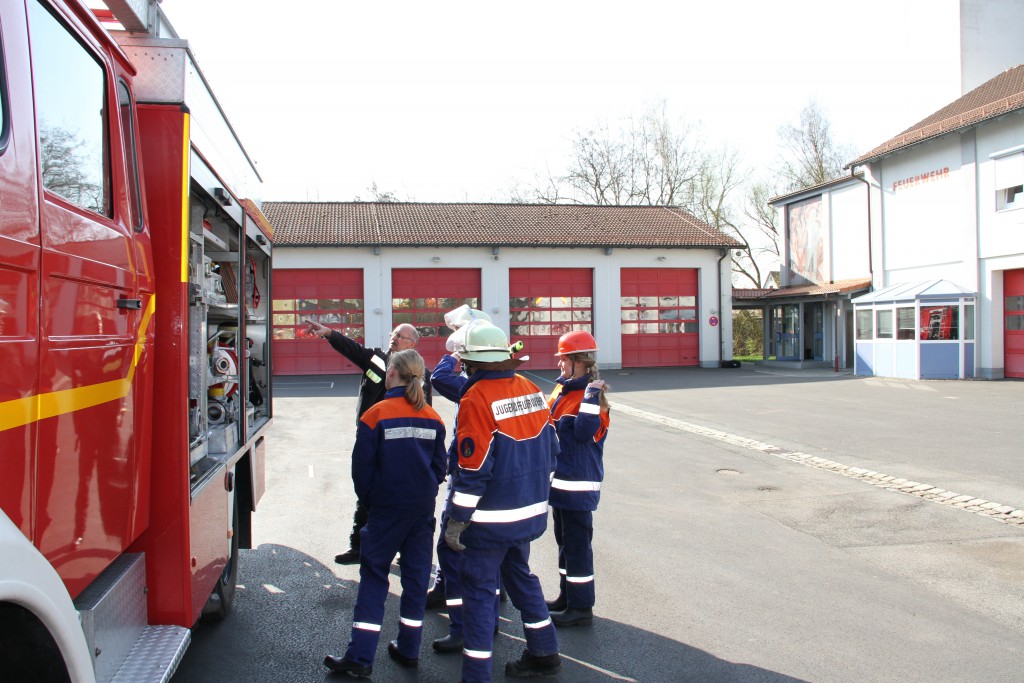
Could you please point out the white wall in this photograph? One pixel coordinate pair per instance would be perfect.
(495, 292)
(849, 231)
(922, 194)
(990, 39)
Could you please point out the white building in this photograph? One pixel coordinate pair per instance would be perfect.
(947, 204)
(651, 283)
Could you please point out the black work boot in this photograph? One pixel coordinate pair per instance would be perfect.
(573, 616)
(558, 604)
(350, 556)
(449, 644)
(531, 666)
(340, 665)
(435, 596)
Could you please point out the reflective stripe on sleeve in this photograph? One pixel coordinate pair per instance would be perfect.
(410, 433)
(414, 623)
(564, 485)
(477, 654)
(517, 515)
(366, 626)
(538, 624)
(379, 362)
(590, 409)
(454, 602)
(466, 500)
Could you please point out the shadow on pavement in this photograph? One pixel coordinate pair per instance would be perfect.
(293, 610)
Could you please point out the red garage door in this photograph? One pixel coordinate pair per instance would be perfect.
(1013, 308)
(659, 317)
(544, 304)
(333, 297)
(421, 297)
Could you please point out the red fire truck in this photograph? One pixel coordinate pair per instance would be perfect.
(135, 387)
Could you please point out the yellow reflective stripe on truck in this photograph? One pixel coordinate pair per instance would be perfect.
(186, 155)
(22, 411)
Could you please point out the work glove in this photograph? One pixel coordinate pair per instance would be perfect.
(452, 531)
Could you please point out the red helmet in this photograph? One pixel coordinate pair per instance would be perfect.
(576, 341)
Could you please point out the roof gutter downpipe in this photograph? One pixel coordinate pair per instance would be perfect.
(871, 269)
(721, 309)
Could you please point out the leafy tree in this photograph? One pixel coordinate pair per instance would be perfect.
(748, 333)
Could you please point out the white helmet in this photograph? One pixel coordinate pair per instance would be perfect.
(456, 320)
(483, 343)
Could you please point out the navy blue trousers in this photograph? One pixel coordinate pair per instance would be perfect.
(479, 573)
(574, 532)
(448, 562)
(387, 532)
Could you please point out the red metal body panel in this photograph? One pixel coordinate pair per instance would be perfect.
(666, 300)
(332, 296)
(166, 541)
(207, 525)
(545, 303)
(421, 297)
(19, 273)
(1013, 339)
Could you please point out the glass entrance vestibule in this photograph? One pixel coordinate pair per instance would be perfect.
(916, 330)
(797, 331)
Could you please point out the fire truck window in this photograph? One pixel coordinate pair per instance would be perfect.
(124, 103)
(5, 116)
(883, 320)
(72, 114)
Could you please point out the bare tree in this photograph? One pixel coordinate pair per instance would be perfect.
(762, 225)
(810, 154)
(378, 195)
(69, 169)
(649, 160)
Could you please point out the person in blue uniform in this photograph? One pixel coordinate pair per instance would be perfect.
(398, 463)
(507, 449)
(580, 412)
(373, 364)
(448, 382)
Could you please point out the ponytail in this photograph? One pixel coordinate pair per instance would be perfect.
(587, 360)
(409, 366)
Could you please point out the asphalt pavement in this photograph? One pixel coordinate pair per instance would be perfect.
(755, 525)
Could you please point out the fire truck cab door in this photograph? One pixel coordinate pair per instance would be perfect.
(90, 307)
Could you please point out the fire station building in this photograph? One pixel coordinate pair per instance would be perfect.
(933, 221)
(652, 284)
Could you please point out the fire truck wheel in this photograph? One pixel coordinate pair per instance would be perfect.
(223, 595)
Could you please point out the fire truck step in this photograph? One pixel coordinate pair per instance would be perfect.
(155, 656)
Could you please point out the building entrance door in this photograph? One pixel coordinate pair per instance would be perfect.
(1013, 323)
(786, 332)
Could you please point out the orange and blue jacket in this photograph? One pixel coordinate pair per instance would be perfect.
(582, 427)
(507, 449)
(398, 460)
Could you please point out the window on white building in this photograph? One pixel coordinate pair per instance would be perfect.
(865, 326)
(1010, 182)
(905, 323)
(883, 319)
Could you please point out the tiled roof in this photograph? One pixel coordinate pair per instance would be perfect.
(748, 293)
(820, 289)
(998, 96)
(408, 224)
(836, 287)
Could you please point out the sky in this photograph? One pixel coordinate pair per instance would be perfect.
(461, 101)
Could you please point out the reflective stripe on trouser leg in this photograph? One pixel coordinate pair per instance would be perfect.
(577, 533)
(526, 594)
(417, 553)
(479, 578)
(381, 539)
